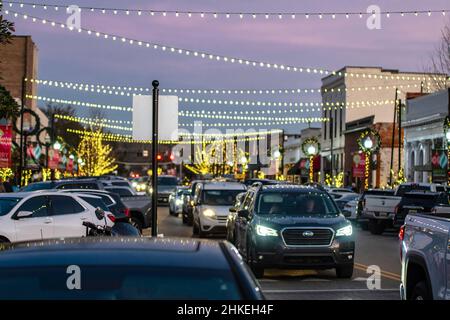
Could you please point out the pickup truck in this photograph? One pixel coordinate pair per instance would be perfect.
(139, 206)
(379, 210)
(425, 256)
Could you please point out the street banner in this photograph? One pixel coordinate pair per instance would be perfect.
(358, 164)
(53, 158)
(143, 117)
(69, 166)
(32, 161)
(439, 164)
(5, 146)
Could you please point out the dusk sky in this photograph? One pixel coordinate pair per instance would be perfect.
(403, 43)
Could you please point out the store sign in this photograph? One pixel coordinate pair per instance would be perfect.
(439, 165)
(5, 146)
(358, 164)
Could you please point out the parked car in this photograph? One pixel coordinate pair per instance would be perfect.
(360, 218)
(379, 210)
(28, 216)
(232, 215)
(139, 206)
(64, 184)
(338, 193)
(212, 201)
(166, 185)
(176, 200)
(125, 269)
(350, 210)
(419, 202)
(424, 253)
(250, 182)
(188, 204)
(289, 226)
(344, 199)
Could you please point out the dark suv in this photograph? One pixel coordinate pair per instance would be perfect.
(294, 227)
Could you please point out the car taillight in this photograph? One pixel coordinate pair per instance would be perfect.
(401, 233)
(111, 217)
(127, 212)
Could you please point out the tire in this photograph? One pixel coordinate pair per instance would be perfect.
(184, 219)
(190, 220)
(376, 227)
(171, 212)
(421, 292)
(364, 225)
(137, 223)
(258, 271)
(195, 229)
(344, 272)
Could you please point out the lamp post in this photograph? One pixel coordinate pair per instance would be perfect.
(369, 142)
(447, 137)
(311, 148)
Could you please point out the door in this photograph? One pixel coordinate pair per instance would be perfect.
(242, 223)
(68, 216)
(38, 226)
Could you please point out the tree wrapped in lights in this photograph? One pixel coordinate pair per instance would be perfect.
(96, 155)
(369, 142)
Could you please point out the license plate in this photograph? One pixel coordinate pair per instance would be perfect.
(383, 214)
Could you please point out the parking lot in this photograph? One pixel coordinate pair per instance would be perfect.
(381, 251)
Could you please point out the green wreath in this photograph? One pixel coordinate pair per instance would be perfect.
(309, 142)
(50, 132)
(36, 127)
(376, 138)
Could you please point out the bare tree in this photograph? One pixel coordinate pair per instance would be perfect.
(440, 58)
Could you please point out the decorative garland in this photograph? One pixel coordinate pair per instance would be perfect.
(50, 132)
(311, 141)
(36, 128)
(376, 139)
(446, 125)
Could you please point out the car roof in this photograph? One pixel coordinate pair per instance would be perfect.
(289, 188)
(120, 251)
(216, 185)
(29, 193)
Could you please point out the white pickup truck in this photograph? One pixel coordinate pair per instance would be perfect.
(425, 256)
(379, 210)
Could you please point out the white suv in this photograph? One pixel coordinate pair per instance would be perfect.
(31, 216)
(212, 201)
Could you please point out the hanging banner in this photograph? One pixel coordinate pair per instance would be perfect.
(5, 146)
(53, 158)
(32, 162)
(439, 164)
(358, 164)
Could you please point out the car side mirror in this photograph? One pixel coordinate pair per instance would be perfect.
(24, 214)
(243, 213)
(232, 209)
(100, 213)
(347, 214)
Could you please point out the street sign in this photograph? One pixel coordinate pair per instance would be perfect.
(167, 117)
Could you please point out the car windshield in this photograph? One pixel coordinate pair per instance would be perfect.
(95, 202)
(6, 204)
(106, 282)
(120, 183)
(37, 186)
(296, 203)
(220, 197)
(167, 181)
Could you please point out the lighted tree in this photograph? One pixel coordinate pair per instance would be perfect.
(96, 155)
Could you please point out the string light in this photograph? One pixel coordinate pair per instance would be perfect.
(227, 59)
(94, 122)
(216, 14)
(80, 103)
(124, 90)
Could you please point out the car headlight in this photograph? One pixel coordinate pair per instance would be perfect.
(265, 231)
(134, 184)
(178, 202)
(150, 190)
(345, 231)
(209, 213)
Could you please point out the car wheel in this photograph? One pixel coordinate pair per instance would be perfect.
(257, 270)
(421, 292)
(376, 226)
(344, 272)
(4, 240)
(171, 212)
(135, 222)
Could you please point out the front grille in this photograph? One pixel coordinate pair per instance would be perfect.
(299, 237)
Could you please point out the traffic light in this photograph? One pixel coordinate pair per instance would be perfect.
(171, 157)
(159, 157)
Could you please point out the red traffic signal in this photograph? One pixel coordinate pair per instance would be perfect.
(159, 157)
(172, 157)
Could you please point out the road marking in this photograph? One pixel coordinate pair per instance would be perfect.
(330, 290)
(386, 274)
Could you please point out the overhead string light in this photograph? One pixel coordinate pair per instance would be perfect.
(301, 106)
(218, 58)
(124, 90)
(202, 14)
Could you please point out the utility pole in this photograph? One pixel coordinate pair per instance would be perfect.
(155, 85)
(399, 134)
(393, 137)
(22, 108)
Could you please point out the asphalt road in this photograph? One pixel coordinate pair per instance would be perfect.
(379, 251)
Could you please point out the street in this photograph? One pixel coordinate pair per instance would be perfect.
(381, 251)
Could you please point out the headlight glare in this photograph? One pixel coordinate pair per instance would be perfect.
(209, 213)
(345, 231)
(266, 231)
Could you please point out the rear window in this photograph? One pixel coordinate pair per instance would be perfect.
(220, 197)
(427, 200)
(407, 188)
(95, 202)
(6, 205)
(38, 186)
(109, 282)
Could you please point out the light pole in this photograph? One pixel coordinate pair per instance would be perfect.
(447, 137)
(311, 148)
(369, 142)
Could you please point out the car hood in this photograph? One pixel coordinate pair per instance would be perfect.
(284, 221)
(219, 210)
